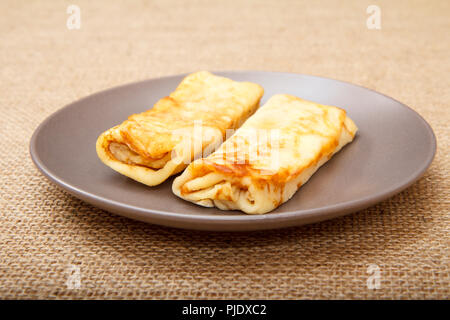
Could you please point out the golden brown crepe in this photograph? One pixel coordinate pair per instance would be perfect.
(257, 177)
(151, 146)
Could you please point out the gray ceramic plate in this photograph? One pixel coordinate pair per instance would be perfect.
(392, 150)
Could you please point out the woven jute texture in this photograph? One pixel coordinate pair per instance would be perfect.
(47, 236)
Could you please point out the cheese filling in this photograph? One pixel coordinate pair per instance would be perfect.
(124, 154)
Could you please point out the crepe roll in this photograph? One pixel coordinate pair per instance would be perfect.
(268, 158)
(189, 123)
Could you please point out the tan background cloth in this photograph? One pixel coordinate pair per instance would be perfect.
(44, 66)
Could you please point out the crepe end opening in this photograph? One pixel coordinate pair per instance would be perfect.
(110, 150)
(212, 188)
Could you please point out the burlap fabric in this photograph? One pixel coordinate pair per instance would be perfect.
(45, 233)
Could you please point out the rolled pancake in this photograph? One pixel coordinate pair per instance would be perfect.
(153, 145)
(256, 175)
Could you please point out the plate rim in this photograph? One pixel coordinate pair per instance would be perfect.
(221, 221)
